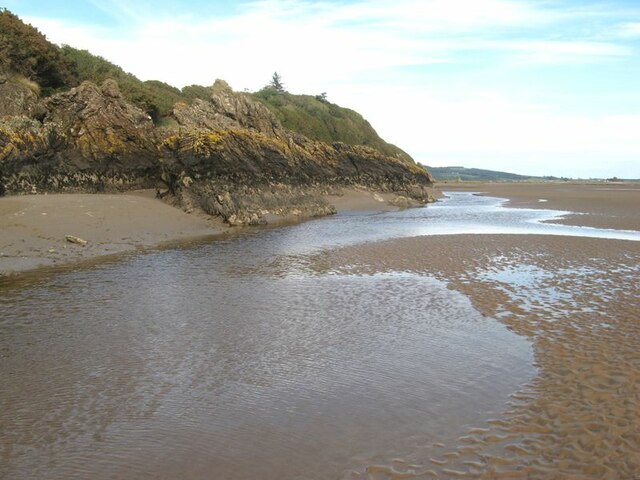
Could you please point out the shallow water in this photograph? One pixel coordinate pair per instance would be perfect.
(233, 360)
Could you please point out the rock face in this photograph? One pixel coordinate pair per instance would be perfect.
(86, 139)
(229, 155)
(233, 143)
(101, 126)
(226, 109)
(16, 98)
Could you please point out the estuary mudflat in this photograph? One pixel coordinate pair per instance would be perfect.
(464, 338)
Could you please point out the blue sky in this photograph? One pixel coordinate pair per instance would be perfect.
(536, 87)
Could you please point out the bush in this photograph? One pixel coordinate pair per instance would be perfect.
(27, 52)
(154, 97)
(317, 118)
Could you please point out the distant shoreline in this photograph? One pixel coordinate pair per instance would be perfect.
(593, 204)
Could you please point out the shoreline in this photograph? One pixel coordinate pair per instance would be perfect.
(34, 227)
(114, 225)
(577, 416)
(598, 205)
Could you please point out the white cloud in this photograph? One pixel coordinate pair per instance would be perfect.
(630, 30)
(323, 41)
(566, 52)
(491, 128)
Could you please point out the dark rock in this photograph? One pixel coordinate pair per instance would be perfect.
(233, 140)
(88, 139)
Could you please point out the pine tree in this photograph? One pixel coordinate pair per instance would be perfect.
(276, 82)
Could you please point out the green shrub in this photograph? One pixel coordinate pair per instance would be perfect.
(318, 119)
(27, 52)
(154, 97)
(191, 92)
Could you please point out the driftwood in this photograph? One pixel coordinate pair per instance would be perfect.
(76, 240)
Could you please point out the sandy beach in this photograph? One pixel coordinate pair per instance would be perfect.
(33, 227)
(600, 205)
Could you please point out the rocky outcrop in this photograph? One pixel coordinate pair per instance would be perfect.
(86, 139)
(229, 156)
(16, 97)
(226, 109)
(241, 164)
(101, 127)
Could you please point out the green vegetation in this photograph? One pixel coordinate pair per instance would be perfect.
(154, 97)
(191, 92)
(317, 118)
(25, 51)
(28, 57)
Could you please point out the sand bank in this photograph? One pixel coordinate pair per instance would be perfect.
(33, 227)
(578, 301)
(600, 205)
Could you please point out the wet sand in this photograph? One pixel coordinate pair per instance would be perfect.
(578, 301)
(33, 227)
(600, 205)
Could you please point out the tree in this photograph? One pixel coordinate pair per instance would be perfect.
(276, 82)
(322, 97)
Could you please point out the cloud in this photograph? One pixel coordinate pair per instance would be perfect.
(629, 30)
(492, 128)
(326, 40)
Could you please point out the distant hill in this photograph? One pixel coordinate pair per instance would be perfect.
(453, 174)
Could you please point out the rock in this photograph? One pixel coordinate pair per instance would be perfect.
(101, 126)
(16, 97)
(226, 109)
(76, 240)
(402, 202)
(89, 139)
(228, 156)
(232, 144)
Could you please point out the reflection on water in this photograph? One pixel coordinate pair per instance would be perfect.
(465, 212)
(231, 360)
(178, 371)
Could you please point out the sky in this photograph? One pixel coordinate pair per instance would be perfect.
(537, 87)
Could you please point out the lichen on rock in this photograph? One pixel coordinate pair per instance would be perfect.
(228, 155)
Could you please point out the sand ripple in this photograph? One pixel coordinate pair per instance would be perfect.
(579, 301)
